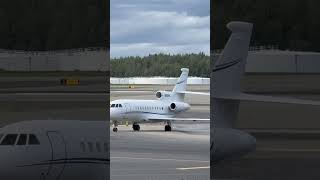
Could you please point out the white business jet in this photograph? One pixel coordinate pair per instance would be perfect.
(227, 142)
(164, 109)
(55, 150)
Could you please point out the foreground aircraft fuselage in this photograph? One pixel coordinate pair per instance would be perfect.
(51, 150)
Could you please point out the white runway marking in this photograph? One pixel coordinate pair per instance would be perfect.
(156, 174)
(193, 168)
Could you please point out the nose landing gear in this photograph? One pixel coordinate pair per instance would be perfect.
(136, 126)
(115, 126)
(167, 127)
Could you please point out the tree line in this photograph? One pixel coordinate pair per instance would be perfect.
(53, 24)
(286, 24)
(160, 65)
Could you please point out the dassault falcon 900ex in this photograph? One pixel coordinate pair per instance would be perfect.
(164, 109)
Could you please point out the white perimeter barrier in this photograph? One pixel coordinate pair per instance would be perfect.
(158, 80)
(275, 61)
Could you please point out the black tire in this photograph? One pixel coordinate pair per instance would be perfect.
(115, 129)
(136, 127)
(167, 128)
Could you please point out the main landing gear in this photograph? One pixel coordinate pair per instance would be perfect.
(136, 126)
(115, 126)
(167, 127)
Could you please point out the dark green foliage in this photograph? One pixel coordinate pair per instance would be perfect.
(286, 24)
(161, 65)
(53, 24)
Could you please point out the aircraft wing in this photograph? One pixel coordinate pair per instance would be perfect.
(179, 119)
(272, 99)
(195, 93)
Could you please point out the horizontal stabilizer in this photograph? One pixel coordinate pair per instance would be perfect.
(195, 93)
(262, 98)
(178, 119)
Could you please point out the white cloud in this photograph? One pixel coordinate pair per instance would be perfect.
(143, 31)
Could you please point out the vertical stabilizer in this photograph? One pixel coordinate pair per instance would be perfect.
(181, 85)
(227, 73)
(230, 66)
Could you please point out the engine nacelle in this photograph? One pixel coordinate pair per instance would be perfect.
(179, 106)
(163, 95)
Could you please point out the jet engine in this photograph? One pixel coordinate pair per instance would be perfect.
(179, 106)
(158, 94)
(163, 95)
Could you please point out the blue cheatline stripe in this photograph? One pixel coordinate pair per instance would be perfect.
(146, 113)
(225, 65)
(181, 81)
(70, 161)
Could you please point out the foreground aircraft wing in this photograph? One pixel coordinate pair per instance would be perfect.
(272, 99)
(178, 119)
(195, 93)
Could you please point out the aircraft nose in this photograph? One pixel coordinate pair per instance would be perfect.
(8, 165)
(114, 114)
(230, 143)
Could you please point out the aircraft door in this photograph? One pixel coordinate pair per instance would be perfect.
(59, 155)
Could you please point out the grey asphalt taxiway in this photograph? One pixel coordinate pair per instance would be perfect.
(152, 154)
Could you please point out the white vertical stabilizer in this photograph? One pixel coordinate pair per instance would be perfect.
(230, 67)
(227, 72)
(181, 85)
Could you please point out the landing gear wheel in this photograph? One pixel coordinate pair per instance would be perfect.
(115, 125)
(167, 128)
(136, 127)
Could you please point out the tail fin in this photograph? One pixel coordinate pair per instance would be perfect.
(181, 85)
(227, 73)
(230, 66)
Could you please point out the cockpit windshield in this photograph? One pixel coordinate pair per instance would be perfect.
(116, 106)
(10, 139)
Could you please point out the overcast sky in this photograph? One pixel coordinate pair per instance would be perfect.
(142, 27)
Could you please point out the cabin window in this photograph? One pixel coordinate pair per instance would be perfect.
(10, 139)
(117, 105)
(120, 105)
(112, 105)
(22, 139)
(83, 147)
(33, 140)
(90, 145)
(98, 147)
